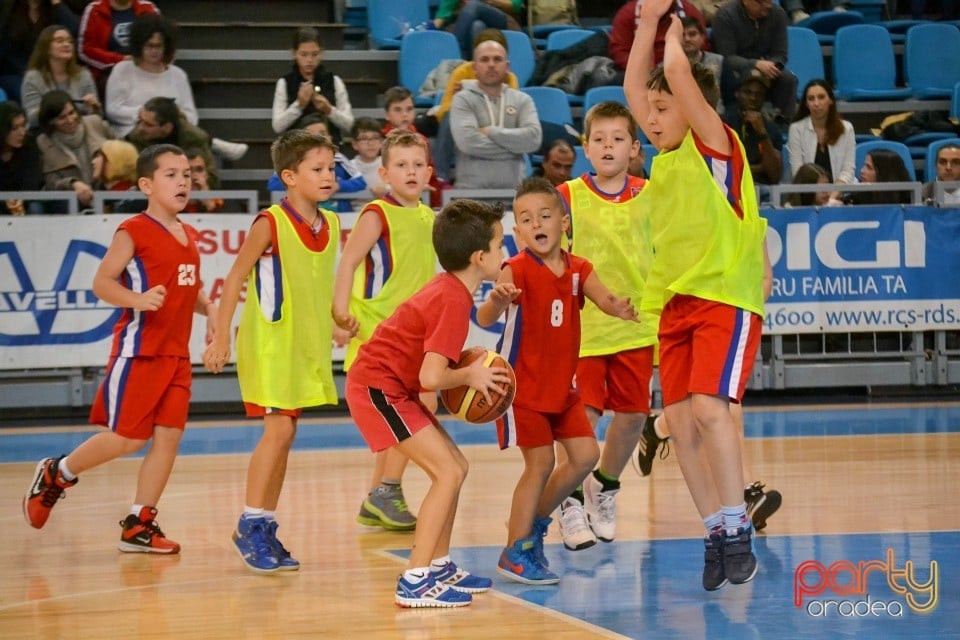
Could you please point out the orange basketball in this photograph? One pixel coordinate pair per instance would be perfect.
(467, 403)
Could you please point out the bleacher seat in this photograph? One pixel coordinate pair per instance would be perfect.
(567, 37)
(804, 57)
(898, 28)
(581, 164)
(931, 60)
(904, 152)
(930, 163)
(551, 103)
(864, 67)
(603, 94)
(826, 23)
(387, 20)
(420, 53)
(871, 10)
(521, 56)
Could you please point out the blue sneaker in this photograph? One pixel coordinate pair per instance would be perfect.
(287, 561)
(517, 562)
(739, 563)
(456, 578)
(713, 573)
(428, 593)
(254, 545)
(540, 526)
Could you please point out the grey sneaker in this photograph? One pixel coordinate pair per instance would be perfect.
(387, 505)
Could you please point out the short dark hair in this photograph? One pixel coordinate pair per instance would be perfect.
(610, 109)
(557, 144)
(52, 105)
(314, 118)
(703, 75)
(688, 21)
(396, 94)
(462, 228)
(148, 160)
(491, 35)
(539, 185)
(142, 29)
(365, 124)
(289, 149)
(165, 109)
(946, 147)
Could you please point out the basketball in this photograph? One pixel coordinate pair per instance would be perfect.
(467, 403)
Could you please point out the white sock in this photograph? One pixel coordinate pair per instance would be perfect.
(269, 515)
(734, 517)
(250, 513)
(440, 563)
(65, 470)
(416, 574)
(136, 509)
(713, 521)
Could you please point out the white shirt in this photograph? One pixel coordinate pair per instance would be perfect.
(129, 87)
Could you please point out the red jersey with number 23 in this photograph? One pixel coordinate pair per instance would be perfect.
(541, 335)
(158, 258)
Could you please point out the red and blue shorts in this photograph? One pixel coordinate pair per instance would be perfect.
(520, 427)
(616, 381)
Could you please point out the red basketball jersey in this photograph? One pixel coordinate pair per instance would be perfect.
(541, 336)
(158, 258)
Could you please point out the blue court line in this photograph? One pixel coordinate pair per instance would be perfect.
(650, 589)
(242, 438)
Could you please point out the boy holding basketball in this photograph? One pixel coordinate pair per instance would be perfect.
(616, 357)
(415, 349)
(152, 272)
(391, 238)
(705, 283)
(285, 338)
(543, 289)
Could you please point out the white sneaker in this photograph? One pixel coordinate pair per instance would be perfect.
(228, 150)
(574, 528)
(601, 508)
(799, 16)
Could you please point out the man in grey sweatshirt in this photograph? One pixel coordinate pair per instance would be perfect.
(492, 124)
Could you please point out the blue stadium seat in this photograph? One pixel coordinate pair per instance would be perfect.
(551, 103)
(420, 53)
(930, 164)
(826, 23)
(864, 67)
(898, 28)
(387, 20)
(866, 147)
(581, 164)
(604, 94)
(521, 56)
(567, 37)
(804, 57)
(931, 60)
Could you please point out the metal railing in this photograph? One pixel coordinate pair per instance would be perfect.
(100, 198)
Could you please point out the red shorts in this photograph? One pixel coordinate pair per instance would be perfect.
(256, 411)
(142, 392)
(617, 381)
(385, 420)
(521, 427)
(706, 347)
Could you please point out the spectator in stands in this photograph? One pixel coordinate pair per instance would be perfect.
(104, 38)
(819, 135)
(812, 173)
(19, 159)
(637, 168)
(115, 169)
(200, 181)
(150, 74)
(492, 124)
(467, 19)
(159, 121)
(752, 34)
(625, 25)
(399, 114)
(54, 65)
(21, 22)
(367, 141)
(309, 88)
(557, 163)
(882, 165)
(948, 170)
(67, 145)
(760, 136)
(693, 41)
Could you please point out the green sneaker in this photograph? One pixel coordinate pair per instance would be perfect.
(387, 505)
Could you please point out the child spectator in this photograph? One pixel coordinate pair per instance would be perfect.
(412, 350)
(200, 181)
(399, 115)
(391, 238)
(287, 260)
(146, 391)
(542, 289)
(115, 169)
(367, 141)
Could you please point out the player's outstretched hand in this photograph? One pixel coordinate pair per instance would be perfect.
(152, 299)
(485, 379)
(503, 294)
(216, 354)
(623, 309)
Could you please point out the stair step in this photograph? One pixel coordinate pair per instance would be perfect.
(302, 11)
(258, 92)
(251, 35)
(264, 63)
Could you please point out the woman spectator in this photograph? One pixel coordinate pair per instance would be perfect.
(19, 158)
(882, 165)
(21, 22)
(309, 88)
(818, 135)
(54, 65)
(68, 144)
(115, 169)
(151, 73)
(811, 173)
(468, 19)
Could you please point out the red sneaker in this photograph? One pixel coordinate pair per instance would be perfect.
(142, 534)
(45, 489)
